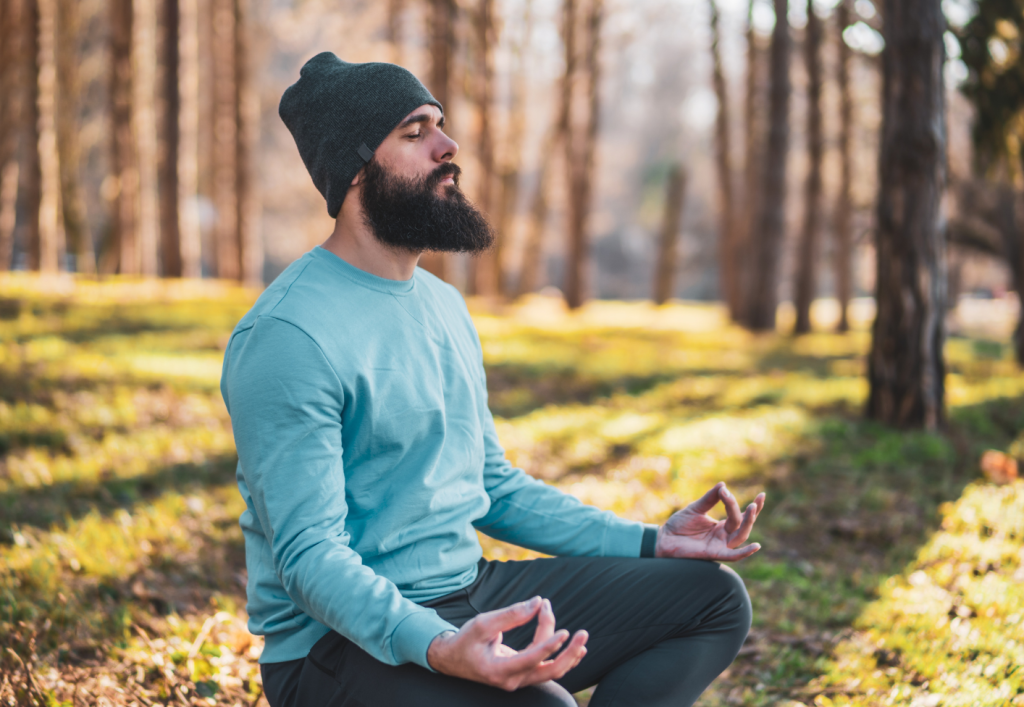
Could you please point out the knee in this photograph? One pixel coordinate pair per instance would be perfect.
(736, 601)
(549, 694)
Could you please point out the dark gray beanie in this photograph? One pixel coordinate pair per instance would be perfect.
(339, 113)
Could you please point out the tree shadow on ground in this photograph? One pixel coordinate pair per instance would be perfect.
(849, 510)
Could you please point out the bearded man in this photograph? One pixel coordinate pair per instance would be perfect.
(368, 459)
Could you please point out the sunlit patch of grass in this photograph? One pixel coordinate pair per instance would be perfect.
(121, 558)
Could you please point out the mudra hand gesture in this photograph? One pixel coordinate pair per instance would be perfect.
(690, 533)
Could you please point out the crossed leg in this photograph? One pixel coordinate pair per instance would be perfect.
(660, 631)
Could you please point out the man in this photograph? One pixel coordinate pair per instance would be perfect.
(368, 459)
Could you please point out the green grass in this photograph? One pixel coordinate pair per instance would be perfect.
(891, 574)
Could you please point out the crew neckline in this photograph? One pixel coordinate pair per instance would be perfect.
(361, 277)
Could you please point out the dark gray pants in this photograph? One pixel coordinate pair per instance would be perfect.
(660, 631)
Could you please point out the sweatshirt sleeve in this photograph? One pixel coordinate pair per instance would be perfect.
(285, 402)
(530, 513)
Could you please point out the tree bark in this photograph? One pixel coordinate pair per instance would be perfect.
(190, 239)
(12, 62)
(906, 370)
(665, 267)
(530, 270)
(248, 143)
(225, 141)
(442, 44)
(723, 161)
(754, 130)
(844, 239)
(396, 8)
(170, 138)
(580, 154)
(144, 89)
(807, 255)
(483, 267)
(512, 145)
(76, 226)
(767, 242)
(123, 252)
(33, 178)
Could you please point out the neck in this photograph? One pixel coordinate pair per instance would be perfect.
(354, 242)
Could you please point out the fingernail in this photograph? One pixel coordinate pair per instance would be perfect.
(534, 602)
(725, 492)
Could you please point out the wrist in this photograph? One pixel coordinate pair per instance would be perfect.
(438, 649)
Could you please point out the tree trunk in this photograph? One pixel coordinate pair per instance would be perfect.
(754, 130)
(248, 143)
(666, 264)
(51, 226)
(144, 90)
(12, 61)
(1013, 250)
(906, 370)
(482, 267)
(807, 255)
(768, 239)
(33, 179)
(225, 141)
(442, 44)
(723, 159)
(190, 239)
(533, 248)
(580, 155)
(123, 253)
(170, 138)
(76, 226)
(844, 239)
(396, 8)
(511, 153)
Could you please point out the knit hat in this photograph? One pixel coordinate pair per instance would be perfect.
(339, 114)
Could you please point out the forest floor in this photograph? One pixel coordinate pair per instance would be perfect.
(892, 573)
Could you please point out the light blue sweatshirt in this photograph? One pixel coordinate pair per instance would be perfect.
(367, 456)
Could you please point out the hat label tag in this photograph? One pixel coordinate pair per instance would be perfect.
(365, 152)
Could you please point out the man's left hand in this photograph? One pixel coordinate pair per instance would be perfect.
(691, 533)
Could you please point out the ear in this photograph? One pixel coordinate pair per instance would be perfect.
(356, 179)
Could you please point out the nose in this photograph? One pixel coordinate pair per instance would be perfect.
(445, 149)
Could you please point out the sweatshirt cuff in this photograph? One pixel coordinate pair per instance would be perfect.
(412, 637)
(650, 541)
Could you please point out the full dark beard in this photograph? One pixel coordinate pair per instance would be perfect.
(413, 215)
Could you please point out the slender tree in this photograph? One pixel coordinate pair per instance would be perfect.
(49, 253)
(144, 119)
(225, 141)
(248, 107)
(396, 8)
(807, 253)
(581, 147)
(12, 63)
(190, 241)
(76, 226)
(170, 137)
(771, 219)
(665, 266)
(441, 32)
(533, 248)
(754, 144)
(32, 177)
(906, 370)
(727, 254)
(123, 252)
(844, 207)
(483, 267)
(510, 161)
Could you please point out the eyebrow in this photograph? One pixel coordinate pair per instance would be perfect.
(420, 118)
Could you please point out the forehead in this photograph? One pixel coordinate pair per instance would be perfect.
(428, 112)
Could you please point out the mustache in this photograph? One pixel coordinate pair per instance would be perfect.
(448, 169)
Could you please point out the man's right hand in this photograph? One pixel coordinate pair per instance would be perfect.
(477, 653)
